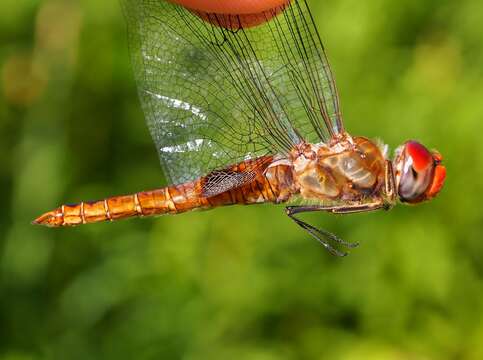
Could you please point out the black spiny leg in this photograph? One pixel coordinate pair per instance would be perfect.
(319, 234)
(322, 235)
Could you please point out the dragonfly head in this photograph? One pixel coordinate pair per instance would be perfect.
(419, 173)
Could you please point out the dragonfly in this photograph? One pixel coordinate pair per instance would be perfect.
(242, 106)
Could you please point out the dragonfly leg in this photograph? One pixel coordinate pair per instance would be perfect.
(320, 235)
(339, 209)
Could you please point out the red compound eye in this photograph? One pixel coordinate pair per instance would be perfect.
(422, 157)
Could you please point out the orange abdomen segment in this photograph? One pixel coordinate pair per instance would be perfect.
(173, 199)
(235, 22)
(233, 7)
(273, 185)
(234, 14)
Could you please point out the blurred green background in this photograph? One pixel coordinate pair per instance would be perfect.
(239, 282)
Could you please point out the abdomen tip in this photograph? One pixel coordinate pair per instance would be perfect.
(52, 219)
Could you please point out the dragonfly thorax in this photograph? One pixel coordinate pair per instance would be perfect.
(350, 170)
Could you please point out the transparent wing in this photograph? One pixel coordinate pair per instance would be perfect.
(214, 96)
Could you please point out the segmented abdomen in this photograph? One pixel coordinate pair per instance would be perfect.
(273, 184)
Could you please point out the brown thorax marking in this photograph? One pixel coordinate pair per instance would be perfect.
(346, 169)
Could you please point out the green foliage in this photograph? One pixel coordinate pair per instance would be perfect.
(240, 282)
